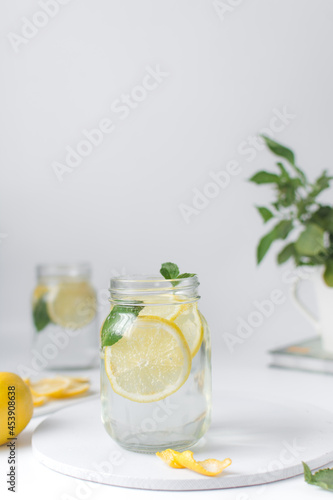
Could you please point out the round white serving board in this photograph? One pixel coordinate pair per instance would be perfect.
(266, 441)
(54, 405)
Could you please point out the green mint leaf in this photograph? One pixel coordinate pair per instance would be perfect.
(117, 323)
(185, 275)
(285, 254)
(169, 270)
(263, 177)
(40, 315)
(322, 478)
(279, 150)
(265, 213)
(311, 241)
(279, 232)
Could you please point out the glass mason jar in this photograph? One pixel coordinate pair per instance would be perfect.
(155, 364)
(64, 313)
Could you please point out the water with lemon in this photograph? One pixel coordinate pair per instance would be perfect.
(156, 376)
(65, 319)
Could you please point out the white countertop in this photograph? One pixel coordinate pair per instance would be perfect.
(37, 482)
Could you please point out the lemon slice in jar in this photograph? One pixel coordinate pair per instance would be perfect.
(163, 306)
(189, 321)
(38, 293)
(72, 304)
(150, 362)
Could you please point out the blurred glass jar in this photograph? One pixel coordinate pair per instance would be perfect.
(64, 311)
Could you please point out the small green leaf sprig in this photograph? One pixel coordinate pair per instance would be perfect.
(322, 478)
(170, 271)
(296, 206)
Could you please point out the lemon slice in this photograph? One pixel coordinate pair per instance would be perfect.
(38, 293)
(162, 306)
(72, 305)
(189, 321)
(80, 379)
(150, 362)
(38, 400)
(74, 389)
(49, 386)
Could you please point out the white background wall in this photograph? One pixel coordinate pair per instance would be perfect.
(120, 208)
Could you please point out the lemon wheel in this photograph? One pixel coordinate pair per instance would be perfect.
(163, 306)
(49, 387)
(72, 305)
(150, 362)
(189, 321)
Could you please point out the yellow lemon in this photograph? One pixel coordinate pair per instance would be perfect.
(16, 406)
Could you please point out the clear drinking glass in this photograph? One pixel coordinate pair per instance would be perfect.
(64, 316)
(155, 364)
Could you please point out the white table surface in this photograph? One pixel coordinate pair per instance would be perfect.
(35, 481)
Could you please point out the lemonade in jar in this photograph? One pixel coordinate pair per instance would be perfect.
(155, 363)
(64, 313)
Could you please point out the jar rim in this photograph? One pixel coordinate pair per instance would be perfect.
(58, 270)
(138, 278)
(123, 287)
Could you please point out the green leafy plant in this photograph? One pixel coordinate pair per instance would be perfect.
(296, 210)
(322, 478)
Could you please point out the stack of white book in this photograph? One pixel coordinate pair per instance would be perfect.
(308, 355)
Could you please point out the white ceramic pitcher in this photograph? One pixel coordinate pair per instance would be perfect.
(324, 297)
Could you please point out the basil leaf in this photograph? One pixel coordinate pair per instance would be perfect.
(280, 231)
(285, 153)
(279, 150)
(263, 177)
(265, 213)
(287, 252)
